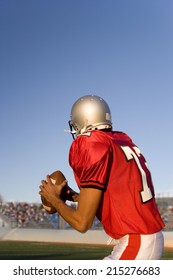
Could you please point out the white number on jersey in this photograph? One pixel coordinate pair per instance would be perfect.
(136, 154)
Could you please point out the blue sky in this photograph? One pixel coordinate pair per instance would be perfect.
(53, 52)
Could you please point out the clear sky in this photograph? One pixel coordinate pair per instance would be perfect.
(53, 52)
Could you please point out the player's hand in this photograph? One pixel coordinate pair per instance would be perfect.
(49, 190)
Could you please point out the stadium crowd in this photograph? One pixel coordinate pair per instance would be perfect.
(23, 214)
(32, 215)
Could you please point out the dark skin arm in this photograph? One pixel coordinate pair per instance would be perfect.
(88, 200)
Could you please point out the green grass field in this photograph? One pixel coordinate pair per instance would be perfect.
(12, 250)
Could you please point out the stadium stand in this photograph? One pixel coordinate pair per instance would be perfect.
(32, 215)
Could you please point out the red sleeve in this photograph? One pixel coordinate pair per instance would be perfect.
(90, 159)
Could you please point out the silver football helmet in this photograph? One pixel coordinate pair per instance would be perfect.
(88, 113)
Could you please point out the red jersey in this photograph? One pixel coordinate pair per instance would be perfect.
(111, 162)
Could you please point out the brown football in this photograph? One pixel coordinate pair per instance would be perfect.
(57, 177)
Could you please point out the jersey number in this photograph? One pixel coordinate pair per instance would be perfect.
(135, 154)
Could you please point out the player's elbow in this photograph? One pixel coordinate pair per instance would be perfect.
(84, 227)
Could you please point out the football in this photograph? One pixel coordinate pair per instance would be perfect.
(57, 177)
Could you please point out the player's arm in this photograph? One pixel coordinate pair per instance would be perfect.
(81, 218)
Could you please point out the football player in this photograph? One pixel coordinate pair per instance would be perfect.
(115, 184)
